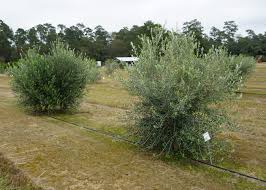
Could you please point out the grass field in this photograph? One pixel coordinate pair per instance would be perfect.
(59, 155)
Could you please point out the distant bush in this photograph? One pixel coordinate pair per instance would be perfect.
(111, 66)
(53, 82)
(177, 90)
(243, 64)
(2, 68)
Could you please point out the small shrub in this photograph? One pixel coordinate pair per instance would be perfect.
(177, 90)
(111, 66)
(245, 65)
(3, 67)
(53, 82)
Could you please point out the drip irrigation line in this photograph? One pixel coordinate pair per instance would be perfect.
(102, 132)
(229, 170)
(257, 94)
(239, 92)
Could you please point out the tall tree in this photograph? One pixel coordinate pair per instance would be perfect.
(195, 28)
(230, 28)
(73, 36)
(98, 44)
(46, 34)
(33, 38)
(6, 38)
(123, 39)
(216, 37)
(21, 42)
(102, 39)
(253, 44)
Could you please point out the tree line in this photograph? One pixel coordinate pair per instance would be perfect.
(99, 44)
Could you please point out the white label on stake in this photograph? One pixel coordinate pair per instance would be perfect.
(206, 137)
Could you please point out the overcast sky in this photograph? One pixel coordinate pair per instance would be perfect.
(115, 14)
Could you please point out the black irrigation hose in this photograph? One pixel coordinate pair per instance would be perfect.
(230, 171)
(97, 131)
(134, 143)
(252, 93)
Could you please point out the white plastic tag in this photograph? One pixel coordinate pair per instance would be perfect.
(206, 137)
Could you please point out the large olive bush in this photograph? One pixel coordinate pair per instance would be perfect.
(54, 82)
(177, 90)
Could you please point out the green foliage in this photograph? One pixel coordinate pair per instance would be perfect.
(54, 82)
(177, 90)
(6, 37)
(99, 44)
(126, 37)
(195, 28)
(2, 68)
(244, 65)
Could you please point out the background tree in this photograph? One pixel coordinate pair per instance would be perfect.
(21, 41)
(6, 39)
(33, 38)
(120, 45)
(124, 38)
(229, 30)
(102, 39)
(73, 36)
(253, 44)
(119, 48)
(216, 37)
(195, 28)
(46, 34)
(99, 44)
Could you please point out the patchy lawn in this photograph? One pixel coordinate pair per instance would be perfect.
(59, 155)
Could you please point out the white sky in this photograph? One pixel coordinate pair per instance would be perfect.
(115, 14)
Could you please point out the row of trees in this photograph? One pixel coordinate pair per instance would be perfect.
(252, 44)
(99, 44)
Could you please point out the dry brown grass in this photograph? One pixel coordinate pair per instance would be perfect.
(13, 178)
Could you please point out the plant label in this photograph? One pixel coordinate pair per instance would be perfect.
(206, 136)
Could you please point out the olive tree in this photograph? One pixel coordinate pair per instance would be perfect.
(177, 90)
(54, 82)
